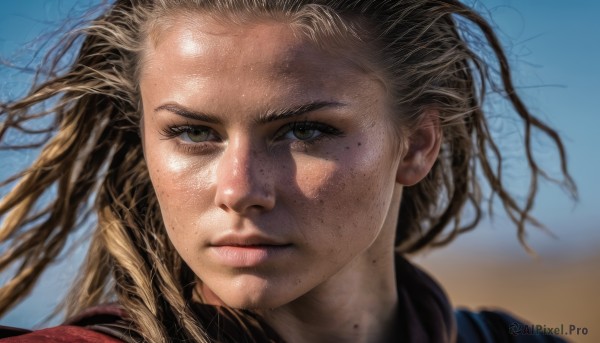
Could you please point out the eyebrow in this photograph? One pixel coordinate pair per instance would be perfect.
(184, 112)
(296, 111)
(267, 117)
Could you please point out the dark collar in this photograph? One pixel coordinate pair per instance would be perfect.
(424, 311)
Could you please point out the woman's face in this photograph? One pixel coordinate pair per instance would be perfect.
(274, 163)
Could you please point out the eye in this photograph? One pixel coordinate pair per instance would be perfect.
(196, 134)
(191, 134)
(302, 132)
(307, 131)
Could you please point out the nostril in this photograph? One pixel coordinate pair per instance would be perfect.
(244, 197)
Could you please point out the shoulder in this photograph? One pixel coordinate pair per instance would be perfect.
(498, 326)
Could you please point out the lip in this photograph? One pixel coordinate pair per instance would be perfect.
(245, 240)
(240, 251)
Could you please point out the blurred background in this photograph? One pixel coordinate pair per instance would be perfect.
(554, 50)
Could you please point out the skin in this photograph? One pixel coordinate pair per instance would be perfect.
(331, 194)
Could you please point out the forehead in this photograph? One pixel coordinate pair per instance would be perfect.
(241, 70)
(217, 45)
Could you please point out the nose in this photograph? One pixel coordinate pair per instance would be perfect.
(243, 181)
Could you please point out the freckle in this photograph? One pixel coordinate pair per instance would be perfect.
(359, 143)
(347, 148)
(355, 326)
(374, 261)
(321, 201)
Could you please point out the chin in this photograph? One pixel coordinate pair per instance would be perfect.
(251, 303)
(251, 292)
(254, 301)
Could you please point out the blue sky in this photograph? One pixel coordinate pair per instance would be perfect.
(556, 47)
(555, 50)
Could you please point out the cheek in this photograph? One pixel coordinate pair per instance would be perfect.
(181, 184)
(349, 195)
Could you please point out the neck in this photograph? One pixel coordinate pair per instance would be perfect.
(349, 307)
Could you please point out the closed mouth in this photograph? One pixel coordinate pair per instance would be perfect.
(239, 255)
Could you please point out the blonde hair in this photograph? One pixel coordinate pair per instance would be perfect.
(92, 154)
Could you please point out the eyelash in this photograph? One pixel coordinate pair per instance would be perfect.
(326, 131)
(173, 131)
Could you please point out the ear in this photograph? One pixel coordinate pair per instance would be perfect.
(423, 149)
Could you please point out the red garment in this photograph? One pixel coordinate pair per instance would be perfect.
(81, 328)
(63, 333)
